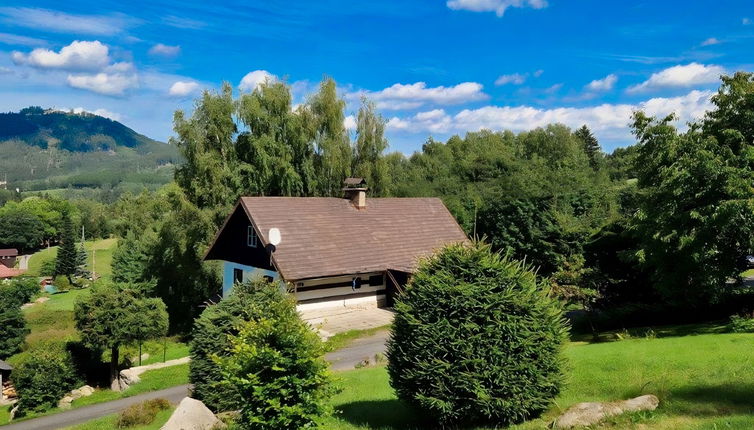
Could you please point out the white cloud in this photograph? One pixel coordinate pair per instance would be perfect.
(349, 122)
(51, 20)
(607, 120)
(15, 39)
(515, 78)
(411, 96)
(113, 80)
(79, 55)
(165, 50)
(605, 84)
(745, 21)
(497, 6)
(711, 41)
(183, 88)
(181, 22)
(680, 76)
(252, 80)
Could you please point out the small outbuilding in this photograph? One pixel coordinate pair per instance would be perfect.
(333, 252)
(5, 370)
(8, 257)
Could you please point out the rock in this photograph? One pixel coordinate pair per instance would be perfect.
(590, 413)
(41, 300)
(191, 414)
(13, 413)
(84, 391)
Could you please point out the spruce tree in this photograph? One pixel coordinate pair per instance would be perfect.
(129, 260)
(65, 264)
(591, 145)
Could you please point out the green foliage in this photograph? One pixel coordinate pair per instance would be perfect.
(43, 378)
(276, 366)
(741, 324)
(696, 203)
(13, 330)
(67, 258)
(129, 260)
(20, 230)
(62, 283)
(370, 144)
(209, 339)
(476, 339)
(15, 292)
(141, 413)
(115, 315)
(591, 146)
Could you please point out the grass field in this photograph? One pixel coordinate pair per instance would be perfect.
(108, 422)
(704, 381)
(103, 256)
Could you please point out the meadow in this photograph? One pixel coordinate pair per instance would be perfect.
(103, 256)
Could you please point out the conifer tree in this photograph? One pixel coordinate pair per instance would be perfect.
(129, 260)
(65, 264)
(591, 145)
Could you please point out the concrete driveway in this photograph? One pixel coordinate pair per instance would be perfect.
(332, 321)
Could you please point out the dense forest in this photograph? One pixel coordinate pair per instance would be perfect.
(645, 233)
(79, 155)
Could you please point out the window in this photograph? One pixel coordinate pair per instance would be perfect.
(251, 237)
(376, 280)
(237, 276)
(355, 283)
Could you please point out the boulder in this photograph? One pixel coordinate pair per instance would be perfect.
(590, 413)
(84, 391)
(192, 414)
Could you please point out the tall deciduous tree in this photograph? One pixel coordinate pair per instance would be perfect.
(368, 160)
(116, 315)
(696, 202)
(333, 151)
(67, 257)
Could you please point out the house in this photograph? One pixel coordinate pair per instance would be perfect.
(8, 257)
(333, 252)
(5, 370)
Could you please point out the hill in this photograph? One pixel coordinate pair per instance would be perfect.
(79, 154)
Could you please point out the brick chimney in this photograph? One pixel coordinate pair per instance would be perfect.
(355, 190)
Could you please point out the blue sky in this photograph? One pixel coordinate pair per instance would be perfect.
(433, 67)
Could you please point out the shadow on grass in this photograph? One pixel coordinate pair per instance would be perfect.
(659, 332)
(382, 414)
(713, 400)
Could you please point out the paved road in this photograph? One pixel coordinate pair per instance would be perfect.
(359, 350)
(88, 413)
(344, 359)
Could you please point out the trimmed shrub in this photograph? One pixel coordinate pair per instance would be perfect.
(62, 283)
(13, 331)
(210, 339)
(476, 339)
(141, 413)
(43, 378)
(276, 367)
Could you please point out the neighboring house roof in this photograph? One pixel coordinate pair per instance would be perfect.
(11, 252)
(5, 366)
(6, 272)
(328, 236)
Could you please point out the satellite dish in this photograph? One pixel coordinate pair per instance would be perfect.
(274, 236)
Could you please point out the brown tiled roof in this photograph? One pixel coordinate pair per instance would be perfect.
(9, 273)
(11, 252)
(328, 236)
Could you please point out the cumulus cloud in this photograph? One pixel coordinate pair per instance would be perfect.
(51, 20)
(515, 78)
(605, 84)
(183, 88)
(609, 120)
(113, 80)
(680, 76)
(411, 96)
(497, 6)
(252, 80)
(349, 122)
(78, 56)
(165, 50)
(711, 41)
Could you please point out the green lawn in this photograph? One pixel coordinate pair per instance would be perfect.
(109, 421)
(103, 256)
(704, 381)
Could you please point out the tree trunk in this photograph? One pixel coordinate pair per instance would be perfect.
(114, 373)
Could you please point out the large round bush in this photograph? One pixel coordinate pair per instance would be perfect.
(476, 339)
(43, 377)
